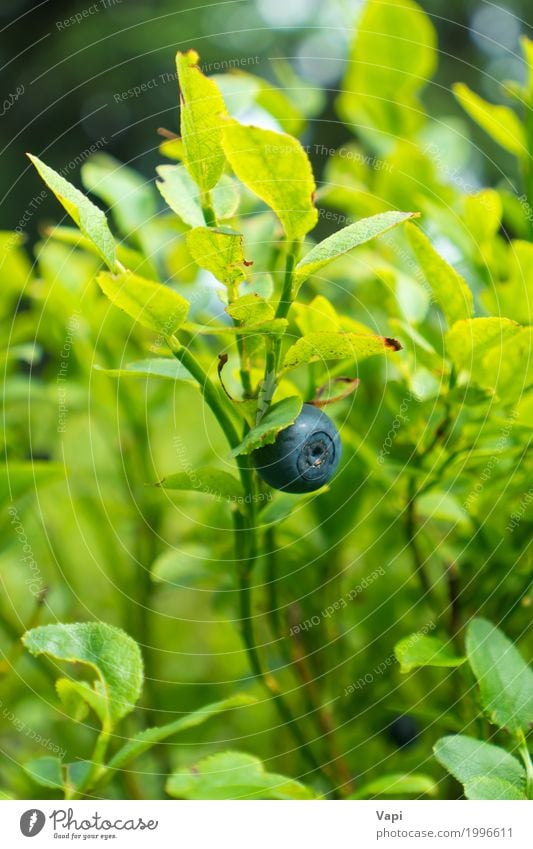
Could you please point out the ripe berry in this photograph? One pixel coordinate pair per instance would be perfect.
(304, 456)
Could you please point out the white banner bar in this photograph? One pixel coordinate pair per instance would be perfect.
(269, 825)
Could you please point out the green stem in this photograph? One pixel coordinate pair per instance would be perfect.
(209, 212)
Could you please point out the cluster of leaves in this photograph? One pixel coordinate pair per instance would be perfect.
(418, 497)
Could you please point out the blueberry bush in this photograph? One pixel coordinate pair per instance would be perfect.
(267, 480)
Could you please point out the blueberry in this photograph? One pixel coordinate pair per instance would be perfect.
(304, 456)
(404, 730)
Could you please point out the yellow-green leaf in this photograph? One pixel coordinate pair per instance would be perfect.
(485, 770)
(337, 346)
(450, 290)
(276, 168)
(220, 251)
(500, 122)
(151, 304)
(509, 367)
(88, 217)
(234, 775)
(203, 114)
(345, 240)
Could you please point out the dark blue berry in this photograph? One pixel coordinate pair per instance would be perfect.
(304, 456)
(404, 730)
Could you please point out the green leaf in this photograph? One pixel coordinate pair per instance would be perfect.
(468, 340)
(392, 56)
(419, 650)
(505, 680)
(88, 217)
(46, 772)
(251, 310)
(450, 290)
(233, 775)
(499, 122)
(337, 346)
(220, 251)
(151, 304)
(276, 168)
(184, 197)
(398, 785)
(208, 481)
(202, 112)
(144, 740)
(346, 240)
(18, 478)
(165, 367)
(509, 367)
(486, 771)
(278, 417)
(106, 650)
(129, 195)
